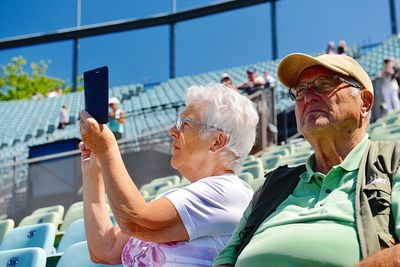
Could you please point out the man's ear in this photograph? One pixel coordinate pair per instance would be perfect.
(220, 142)
(368, 99)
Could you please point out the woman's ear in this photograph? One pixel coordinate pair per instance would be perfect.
(220, 142)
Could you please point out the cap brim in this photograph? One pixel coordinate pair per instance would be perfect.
(293, 65)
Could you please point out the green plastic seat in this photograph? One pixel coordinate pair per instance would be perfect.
(56, 208)
(256, 161)
(270, 162)
(247, 177)
(50, 217)
(71, 215)
(6, 226)
(256, 170)
(173, 178)
(257, 183)
(151, 188)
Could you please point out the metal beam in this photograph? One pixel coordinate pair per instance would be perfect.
(126, 25)
(274, 31)
(393, 19)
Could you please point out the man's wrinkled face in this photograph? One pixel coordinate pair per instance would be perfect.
(316, 113)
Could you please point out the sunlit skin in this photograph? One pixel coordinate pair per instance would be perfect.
(334, 123)
(194, 156)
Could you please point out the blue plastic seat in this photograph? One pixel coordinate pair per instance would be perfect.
(23, 257)
(39, 235)
(78, 255)
(74, 234)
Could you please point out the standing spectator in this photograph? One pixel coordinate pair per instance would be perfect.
(227, 81)
(390, 87)
(269, 80)
(331, 48)
(254, 82)
(64, 117)
(342, 48)
(116, 118)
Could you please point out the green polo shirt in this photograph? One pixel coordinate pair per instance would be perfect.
(314, 226)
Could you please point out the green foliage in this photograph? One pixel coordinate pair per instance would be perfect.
(15, 83)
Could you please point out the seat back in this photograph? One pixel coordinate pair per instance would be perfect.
(23, 257)
(51, 217)
(56, 208)
(75, 233)
(78, 255)
(73, 214)
(5, 227)
(38, 235)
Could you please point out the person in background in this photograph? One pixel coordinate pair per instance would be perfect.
(254, 82)
(389, 87)
(343, 205)
(116, 118)
(227, 81)
(331, 48)
(186, 226)
(64, 117)
(269, 80)
(342, 48)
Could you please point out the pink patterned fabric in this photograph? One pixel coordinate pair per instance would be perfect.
(139, 253)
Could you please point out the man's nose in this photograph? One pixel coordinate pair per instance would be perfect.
(310, 94)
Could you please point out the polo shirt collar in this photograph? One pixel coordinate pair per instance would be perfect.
(350, 163)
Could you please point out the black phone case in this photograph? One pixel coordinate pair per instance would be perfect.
(96, 93)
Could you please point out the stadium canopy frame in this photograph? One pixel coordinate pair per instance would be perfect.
(134, 24)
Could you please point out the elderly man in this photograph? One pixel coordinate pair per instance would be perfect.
(186, 226)
(342, 206)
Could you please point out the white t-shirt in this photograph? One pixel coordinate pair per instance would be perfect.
(210, 210)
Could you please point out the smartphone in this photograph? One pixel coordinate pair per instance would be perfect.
(96, 93)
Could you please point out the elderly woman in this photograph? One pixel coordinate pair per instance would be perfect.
(187, 226)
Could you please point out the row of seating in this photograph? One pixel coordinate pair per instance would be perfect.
(34, 122)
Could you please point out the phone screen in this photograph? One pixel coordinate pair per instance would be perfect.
(96, 93)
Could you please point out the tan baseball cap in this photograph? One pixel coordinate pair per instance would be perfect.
(291, 66)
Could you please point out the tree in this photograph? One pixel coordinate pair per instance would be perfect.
(15, 83)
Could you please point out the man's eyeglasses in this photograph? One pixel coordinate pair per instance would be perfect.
(179, 121)
(322, 85)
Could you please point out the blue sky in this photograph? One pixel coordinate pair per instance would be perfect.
(219, 41)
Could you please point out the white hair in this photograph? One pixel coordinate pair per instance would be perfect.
(231, 112)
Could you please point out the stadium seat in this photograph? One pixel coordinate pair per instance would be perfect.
(78, 255)
(72, 214)
(270, 162)
(151, 188)
(251, 162)
(246, 176)
(23, 257)
(56, 208)
(256, 170)
(173, 178)
(75, 233)
(39, 235)
(6, 226)
(51, 217)
(257, 183)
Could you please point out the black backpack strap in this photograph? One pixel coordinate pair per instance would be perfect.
(278, 185)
